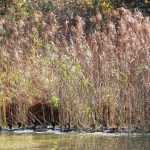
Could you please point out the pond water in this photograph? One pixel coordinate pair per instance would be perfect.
(73, 142)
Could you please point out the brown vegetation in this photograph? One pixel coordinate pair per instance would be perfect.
(93, 70)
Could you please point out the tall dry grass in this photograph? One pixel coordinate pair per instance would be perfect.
(94, 69)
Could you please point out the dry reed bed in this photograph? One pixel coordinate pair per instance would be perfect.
(95, 70)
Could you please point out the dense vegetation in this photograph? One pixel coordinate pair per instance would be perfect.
(90, 59)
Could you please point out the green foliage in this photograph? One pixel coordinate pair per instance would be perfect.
(48, 5)
(93, 5)
(1, 97)
(2, 32)
(106, 6)
(3, 76)
(120, 76)
(55, 101)
(142, 5)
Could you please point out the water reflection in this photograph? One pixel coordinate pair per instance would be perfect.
(72, 142)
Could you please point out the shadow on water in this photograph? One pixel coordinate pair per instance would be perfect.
(72, 142)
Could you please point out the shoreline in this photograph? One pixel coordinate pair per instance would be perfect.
(59, 132)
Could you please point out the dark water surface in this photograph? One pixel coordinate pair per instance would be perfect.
(73, 142)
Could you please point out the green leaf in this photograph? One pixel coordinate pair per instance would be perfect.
(55, 101)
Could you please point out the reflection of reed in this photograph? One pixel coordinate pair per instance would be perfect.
(72, 142)
(17, 142)
(89, 142)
